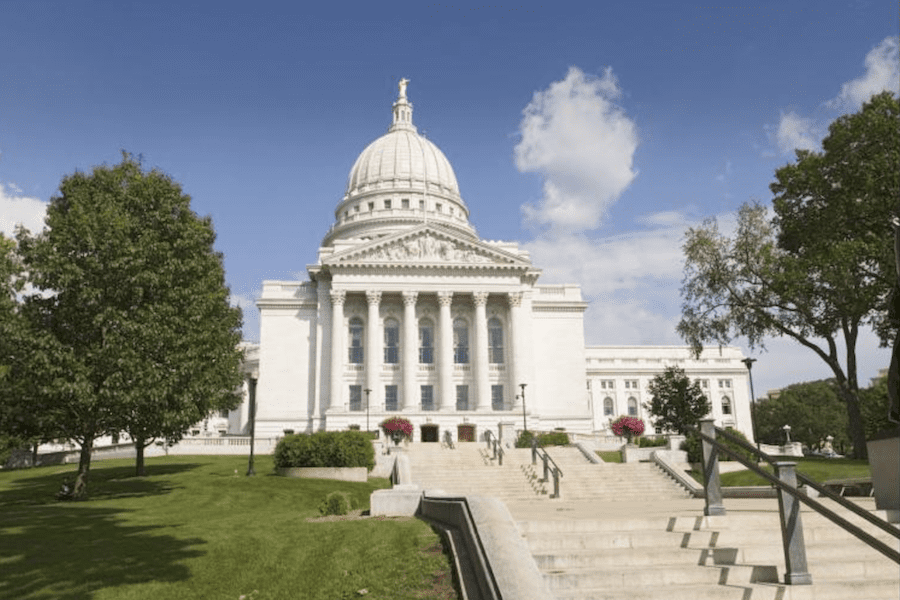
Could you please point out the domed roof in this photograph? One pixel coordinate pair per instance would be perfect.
(400, 180)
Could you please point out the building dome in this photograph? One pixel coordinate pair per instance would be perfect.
(400, 179)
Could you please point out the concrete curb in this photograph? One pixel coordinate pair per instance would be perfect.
(589, 451)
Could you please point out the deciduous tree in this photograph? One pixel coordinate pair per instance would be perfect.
(814, 410)
(676, 403)
(821, 267)
(135, 300)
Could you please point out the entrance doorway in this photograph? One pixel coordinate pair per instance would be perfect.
(465, 433)
(429, 433)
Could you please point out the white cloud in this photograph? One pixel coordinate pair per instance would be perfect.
(796, 132)
(582, 144)
(882, 73)
(16, 209)
(247, 302)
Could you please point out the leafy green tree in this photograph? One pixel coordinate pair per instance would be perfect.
(874, 402)
(821, 268)
(135, 307)
(814, 410)
(676, 403)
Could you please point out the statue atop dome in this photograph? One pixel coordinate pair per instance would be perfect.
(402, 86)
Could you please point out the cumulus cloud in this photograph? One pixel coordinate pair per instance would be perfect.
(882, 72)
(583, 144)
(16, 209)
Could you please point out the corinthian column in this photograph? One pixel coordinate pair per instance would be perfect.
(373, 354)
(516, 350)
(445, 353)
(480, 358)
(410, 351)
(337, 351)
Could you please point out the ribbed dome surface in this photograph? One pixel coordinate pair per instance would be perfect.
(402, 160)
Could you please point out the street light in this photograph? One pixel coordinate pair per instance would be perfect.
(749, 362)
(251, 392)
(524, 422)
(367, 391)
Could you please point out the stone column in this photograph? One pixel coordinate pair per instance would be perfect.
(514, 354)
(337, 399)
(373, 352)
(480, 355)
(410, 351)
(446, 398)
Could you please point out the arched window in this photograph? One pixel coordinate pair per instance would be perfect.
(607, 407)
(391, 341)
(460, 342)
(356, 341)
(495, 341)
(726, 405)
(632, 407)
(426, 342)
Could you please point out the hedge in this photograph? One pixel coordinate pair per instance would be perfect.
(325, 449)
(552, 438)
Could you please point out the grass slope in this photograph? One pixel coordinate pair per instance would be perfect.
(818, 469)
(196, 527)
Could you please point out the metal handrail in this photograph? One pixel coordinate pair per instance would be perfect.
(498, 452)
(806, 480)
(802, 497)
(535, 443)
(557, 472)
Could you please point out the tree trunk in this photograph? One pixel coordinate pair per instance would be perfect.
(34, 454)
(855, 423)
(139, 445)
(84, 467)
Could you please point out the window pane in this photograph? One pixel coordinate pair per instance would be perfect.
(390, 397)
(495, 341)
(356, 341)
(427, 397)
(497, 397)
(726, 405)
(391, 342)
(607, 407)
(462, 397)
(426, 342)
(356, 397)
(632, 407)
(460, 342)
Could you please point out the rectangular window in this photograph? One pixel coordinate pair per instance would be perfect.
(427, 392)
(356, 397)
(371, 206)
(438, 207)
(390, 398)
(387, 204)
(724, 384)
(356, 208)
(421, 205)
(607, 384)
(631, 384)
(426, 344)
(462, 397)
(404, 203)
(497, 397)
(391, 342)
(704, 383)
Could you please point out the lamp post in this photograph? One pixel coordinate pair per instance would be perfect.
(524, 422)
(367, 391)
(787, 434)
(749, 362)
(251, 392)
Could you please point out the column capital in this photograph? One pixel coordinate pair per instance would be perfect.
(480, 298)
(409, 298)
(445, 298)
(515, 299)
(338, 297)
(373, 297)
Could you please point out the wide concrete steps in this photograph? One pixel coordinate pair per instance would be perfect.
(736, 556)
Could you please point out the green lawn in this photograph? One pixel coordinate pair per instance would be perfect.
(610, 456)
(818, 469)
(195, 527)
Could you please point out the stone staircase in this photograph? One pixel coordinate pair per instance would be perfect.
(737, 556)
(629, 531)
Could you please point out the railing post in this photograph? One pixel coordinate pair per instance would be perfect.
(495, 449)
(556, 482)
(533, 452)
(500, 461)
(546, 466)
(796, 571)
(711, 484)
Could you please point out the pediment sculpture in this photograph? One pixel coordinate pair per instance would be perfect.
(426, 248)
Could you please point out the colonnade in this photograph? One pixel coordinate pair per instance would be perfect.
(409, 396)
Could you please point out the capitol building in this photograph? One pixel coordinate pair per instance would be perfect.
(408, 312)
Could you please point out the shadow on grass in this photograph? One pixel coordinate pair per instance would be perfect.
(29, 487)
(70, 550)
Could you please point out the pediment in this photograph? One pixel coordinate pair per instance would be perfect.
(427, 246)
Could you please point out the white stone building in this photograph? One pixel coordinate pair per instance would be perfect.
(408, 312)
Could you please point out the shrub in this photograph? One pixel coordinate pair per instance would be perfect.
(325, 449)
(552, 438)
(397, 428)
(645, 442)
(628, 427)
(338, 503)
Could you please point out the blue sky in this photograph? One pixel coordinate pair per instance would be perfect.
(592, 133)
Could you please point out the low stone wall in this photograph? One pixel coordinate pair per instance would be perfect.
(337, 473)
